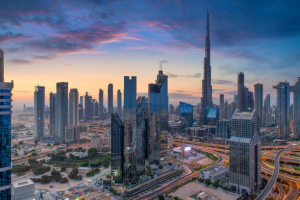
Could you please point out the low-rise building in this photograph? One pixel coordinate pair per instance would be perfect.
(72, 134)
(215, 173)
(23, 190)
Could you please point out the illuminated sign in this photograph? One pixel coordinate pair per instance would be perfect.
(187, 148)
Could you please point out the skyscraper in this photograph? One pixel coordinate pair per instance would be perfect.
(100, 103)
(130, 140)
(221, 107)
(39, 112)
(73, 107)
(5, 132)
(117, 148)
(245, 152)
(110, 102)
(61, 119)
(221, 101)
(52, 105)
(267, 111)
(295, 89)
(80, 109)
(206, 99)
(88, 111)
(95, 108)
(242, 96)
(282, 109)
(186, 114)
(141, 134)
(158, 101)
(119, 94)
(258, 105)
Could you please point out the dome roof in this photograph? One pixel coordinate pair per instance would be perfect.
(1, 53)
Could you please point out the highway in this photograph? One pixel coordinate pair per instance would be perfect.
(279, 187)
(274, 177)
(293, 192)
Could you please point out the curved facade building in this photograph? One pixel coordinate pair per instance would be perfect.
(5, 133)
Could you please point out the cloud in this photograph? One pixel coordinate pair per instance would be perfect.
(43, 57)
(173, 96)
(18, 61)
(12, 36)
(223, 82)
(181, 91)
(171, 75)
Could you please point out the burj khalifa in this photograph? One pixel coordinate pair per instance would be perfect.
(206, 99)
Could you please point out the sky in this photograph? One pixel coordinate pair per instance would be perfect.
(91, 43)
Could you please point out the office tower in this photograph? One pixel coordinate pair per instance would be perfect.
(221, 101)
(171, 109)
(245, 152)
(206, 99)
(266, 110)
(52, 104)
(130, 139)
(250, 100)
(47, 112)
(101, 105)
(95, 108)
(117, 149)
(158, 101)
(110, 102)
(295, 89)
(80, 109)
(61, 119)
(258, 105)
(235, 98)
(5, 132)
(141, 134)
(282, 109)
(73, 107)
(242, 97)
(88, 104)
(72, 133)
(186, 114)
(39, 112)
(223, 129)
(119, 105)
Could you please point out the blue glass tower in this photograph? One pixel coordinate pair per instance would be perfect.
(5, 133)
(61, 109)
(186, 114)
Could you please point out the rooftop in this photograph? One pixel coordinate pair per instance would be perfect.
(22, 183)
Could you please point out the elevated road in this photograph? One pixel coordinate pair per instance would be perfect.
(274, 177)
(293, 192)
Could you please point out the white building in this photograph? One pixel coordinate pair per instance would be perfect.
(22, 190)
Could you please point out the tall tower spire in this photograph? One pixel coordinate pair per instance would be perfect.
(206, 99)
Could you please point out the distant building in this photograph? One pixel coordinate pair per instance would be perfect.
(23, 189)
(95, 108)
(119, 103)
(88, 111)
(259, 92)
(267, 111)
(196, 132)
(223, 129)
(61, 114)
(72, 134)
(117, 150)
(242, 98)
(186, 114)
(110, 102)
(245, 152)
(282, 109)
(235, 98)
(171, 109)
(101, 105)
(52, 105)
(73, 107)
(39, 112)
(80, 109)
(295, 89)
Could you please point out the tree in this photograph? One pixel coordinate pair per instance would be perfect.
(207, 181)
(36, 142)
(63, 169)
(92, 152)
(161, 197)
(106, 163)
(48, 145)
(33, 153)
(216, 184)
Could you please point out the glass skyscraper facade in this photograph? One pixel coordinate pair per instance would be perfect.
(101, 105)
(61, 119)
(39, 112)
(73, 107)
(130, 138)
(88, 107)
(5, 133)
(295, 89)
(110, 100)
(119, 103)
(186, 114)
(117, 148)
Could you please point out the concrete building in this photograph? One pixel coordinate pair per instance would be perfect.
(101, 105)
(258, 99)
(5, 132)
(130, 137)
(23, 190)
(110, 101)
(72, 134)
(39, 112)
(206, 99)
(119, 104)
(282, 109)
(73, 107)
(245, 152)
(61, 112)
(52, 105)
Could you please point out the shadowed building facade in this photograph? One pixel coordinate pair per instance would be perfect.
(73, 107)
(52, 105)
(39, 112)
(61, 119)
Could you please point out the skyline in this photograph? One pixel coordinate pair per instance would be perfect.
(81, 46)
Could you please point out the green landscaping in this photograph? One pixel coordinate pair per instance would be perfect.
(295, 155)
(297, 168)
